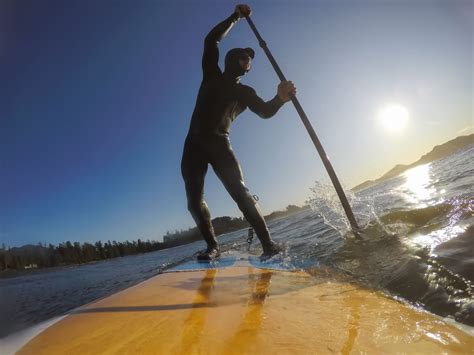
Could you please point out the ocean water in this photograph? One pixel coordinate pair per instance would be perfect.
(418, 246)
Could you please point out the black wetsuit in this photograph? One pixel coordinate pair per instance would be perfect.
(220, 100)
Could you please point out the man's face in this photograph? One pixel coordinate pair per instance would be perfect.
(245, 62)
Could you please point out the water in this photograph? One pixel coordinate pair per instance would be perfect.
(419, 235)
(419, 240)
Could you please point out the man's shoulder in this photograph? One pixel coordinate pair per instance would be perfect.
(212, 78)
(247, 89)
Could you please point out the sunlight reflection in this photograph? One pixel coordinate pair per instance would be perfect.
(435, 238)
(417, 185)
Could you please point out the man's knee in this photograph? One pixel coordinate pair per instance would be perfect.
(197, 207)
(242, 196)
(194, 205)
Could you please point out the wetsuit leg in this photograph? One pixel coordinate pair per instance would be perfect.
(194, 168)
(227, 168)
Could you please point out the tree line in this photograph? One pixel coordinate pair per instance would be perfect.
(42, 256)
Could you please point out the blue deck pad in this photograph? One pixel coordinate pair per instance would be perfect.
(194, 265)
(275, 263)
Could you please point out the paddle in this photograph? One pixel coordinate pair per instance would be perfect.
(327, 164)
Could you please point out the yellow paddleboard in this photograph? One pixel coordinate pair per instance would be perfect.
(237, 307)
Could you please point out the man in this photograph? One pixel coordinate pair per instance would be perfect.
(220, 99)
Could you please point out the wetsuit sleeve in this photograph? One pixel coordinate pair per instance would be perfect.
(260, 107)
(210, 58)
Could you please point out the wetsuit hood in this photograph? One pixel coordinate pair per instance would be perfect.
(232, 65)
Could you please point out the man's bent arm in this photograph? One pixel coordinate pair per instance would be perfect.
(260, 107)
(210, 58)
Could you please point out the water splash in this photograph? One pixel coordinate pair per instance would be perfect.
(325, 202)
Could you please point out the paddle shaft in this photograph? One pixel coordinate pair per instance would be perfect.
(312, 134)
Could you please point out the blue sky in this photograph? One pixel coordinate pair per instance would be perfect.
(96, 97)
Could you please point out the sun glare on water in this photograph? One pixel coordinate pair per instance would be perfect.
(394, 117)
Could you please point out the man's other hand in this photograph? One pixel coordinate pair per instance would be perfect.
(243, 10)
(286, 90)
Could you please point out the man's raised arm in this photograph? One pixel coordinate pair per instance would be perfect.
(285, 90)
(210, 58)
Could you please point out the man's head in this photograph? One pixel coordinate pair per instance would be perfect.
(238, 61)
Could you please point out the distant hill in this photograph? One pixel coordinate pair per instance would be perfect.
(27, 249)
(438, 152)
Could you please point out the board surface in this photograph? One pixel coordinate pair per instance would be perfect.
(236, 259)
(194, 265)
(241, 309)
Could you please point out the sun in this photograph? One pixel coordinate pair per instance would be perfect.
(394, 117)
